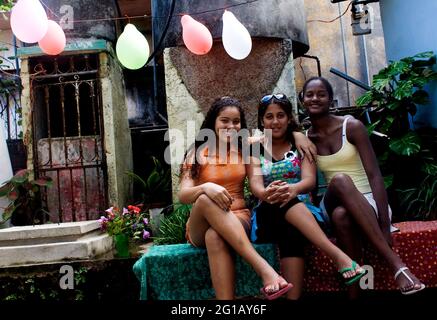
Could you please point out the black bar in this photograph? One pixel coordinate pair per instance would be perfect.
(350, 79)
(319, 69)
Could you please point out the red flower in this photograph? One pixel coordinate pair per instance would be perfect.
(135, 209)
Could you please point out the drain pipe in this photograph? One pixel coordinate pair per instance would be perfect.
(343, 42)
(319, 68)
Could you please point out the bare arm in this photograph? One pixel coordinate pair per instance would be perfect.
(306, 148)
(287, 192)
(189, 191)
(357, 134)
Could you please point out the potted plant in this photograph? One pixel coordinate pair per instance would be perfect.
(25, 207)
(408, 156)
(156, 191)
(125, 224)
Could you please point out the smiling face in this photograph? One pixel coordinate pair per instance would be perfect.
(276, 119)
(316, 98)
(227, 123)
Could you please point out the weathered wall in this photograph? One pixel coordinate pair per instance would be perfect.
(284, 19)
(194, 82)
(409, 28)
(69, 12)
(345, 54)
(117, 139)
(117, 136)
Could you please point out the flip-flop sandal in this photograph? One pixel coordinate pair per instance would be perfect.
(355, 278)
(411, 291)
(276, 294)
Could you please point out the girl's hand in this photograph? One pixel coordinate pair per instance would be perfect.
(289, 195)
(283, 194)
(270, 191)
(219, 195)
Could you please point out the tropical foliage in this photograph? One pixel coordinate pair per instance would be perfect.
(408, 161)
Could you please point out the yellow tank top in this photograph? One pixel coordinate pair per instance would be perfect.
(346, 160)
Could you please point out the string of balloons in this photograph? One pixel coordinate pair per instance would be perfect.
(30, 24)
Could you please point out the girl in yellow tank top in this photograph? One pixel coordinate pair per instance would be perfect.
(355, 194)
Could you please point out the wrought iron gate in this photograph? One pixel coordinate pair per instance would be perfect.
(67, 128)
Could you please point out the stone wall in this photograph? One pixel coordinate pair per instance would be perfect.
(194, 82)
(345, 54)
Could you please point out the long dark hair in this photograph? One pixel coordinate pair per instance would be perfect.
(209, 123)
(286, 105)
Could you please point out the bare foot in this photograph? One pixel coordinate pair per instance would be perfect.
(348, 268)
(274, 284)
(406, 284)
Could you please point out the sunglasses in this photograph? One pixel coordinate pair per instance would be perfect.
(278, 96)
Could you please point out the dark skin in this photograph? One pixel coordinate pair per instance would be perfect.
(342, 198)
(329, 141)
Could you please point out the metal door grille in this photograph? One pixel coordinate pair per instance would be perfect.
(67, 135)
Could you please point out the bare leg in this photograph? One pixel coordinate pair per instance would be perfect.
(221, 265)
(206, 214)
(293, 271)
(342, 191)
(300, 217)
(346, 234)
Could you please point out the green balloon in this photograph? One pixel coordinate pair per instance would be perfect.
(132, 48)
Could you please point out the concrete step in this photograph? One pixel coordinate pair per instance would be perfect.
(52, 243)
(74, 229)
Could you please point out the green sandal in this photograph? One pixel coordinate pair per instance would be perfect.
(356, 277)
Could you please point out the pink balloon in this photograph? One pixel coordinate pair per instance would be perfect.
(196, 36)
(54, 41)
(29, 21)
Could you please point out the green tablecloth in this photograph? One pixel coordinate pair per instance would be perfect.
(181, 272)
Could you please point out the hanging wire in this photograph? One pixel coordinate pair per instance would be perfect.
(164, 33)
(155, 17)
(335, 19)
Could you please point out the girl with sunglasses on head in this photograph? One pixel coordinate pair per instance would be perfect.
(281, 179)
(219, 219)
(355, 199)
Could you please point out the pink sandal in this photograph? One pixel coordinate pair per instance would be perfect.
(277, 294)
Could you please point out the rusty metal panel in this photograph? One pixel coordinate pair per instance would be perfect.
(77, 193)
(67, 128)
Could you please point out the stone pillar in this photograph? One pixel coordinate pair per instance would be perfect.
(118, 147)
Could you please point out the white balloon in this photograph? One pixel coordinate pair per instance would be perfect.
(236, 39)
(132, 48)
(29, 21)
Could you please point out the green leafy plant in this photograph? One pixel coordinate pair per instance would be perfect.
(132, 221)
(25, 207)
(157, 186)
(6, 5)
(409, 156)
(173, 226)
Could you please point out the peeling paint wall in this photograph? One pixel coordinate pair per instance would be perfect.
(194, 82)
(116, 132)
(326, 42)
(117, 138)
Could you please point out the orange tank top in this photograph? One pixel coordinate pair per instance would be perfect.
(229, 176)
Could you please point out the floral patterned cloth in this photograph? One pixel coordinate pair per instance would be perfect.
(416, 244)
(288, 170)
